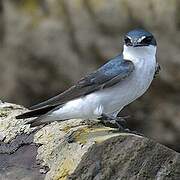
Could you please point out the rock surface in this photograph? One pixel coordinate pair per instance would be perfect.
(79, 149)
(17, 150)
(54, 43)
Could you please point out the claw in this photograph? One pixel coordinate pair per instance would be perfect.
(121, 121)
(117, 122)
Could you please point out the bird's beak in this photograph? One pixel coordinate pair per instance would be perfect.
(135, 43)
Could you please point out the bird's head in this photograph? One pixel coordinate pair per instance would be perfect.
(139, 42)
(139, 38)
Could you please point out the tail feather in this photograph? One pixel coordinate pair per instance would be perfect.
(42, 115)
(43, 120)
(39, 121)
(36, 112)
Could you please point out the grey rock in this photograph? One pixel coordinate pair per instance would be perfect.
(17, 150)
(79, 149)
(128, 157)
(56, 42)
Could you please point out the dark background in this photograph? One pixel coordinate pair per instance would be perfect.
(47, 45)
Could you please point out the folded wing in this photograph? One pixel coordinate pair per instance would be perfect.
(116, 70)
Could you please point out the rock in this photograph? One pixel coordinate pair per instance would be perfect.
(128, 157)
(17, 150)
(79, 149)
(10, 127)
(64, 144)
(57, 42)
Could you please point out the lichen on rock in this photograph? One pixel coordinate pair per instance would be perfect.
(9, 126)
(63, 144)
(79, 149)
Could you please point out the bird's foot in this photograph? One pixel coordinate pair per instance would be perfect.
(122, 120)
(124, 129)
(117, 122)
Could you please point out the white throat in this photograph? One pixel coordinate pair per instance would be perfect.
(137, 53)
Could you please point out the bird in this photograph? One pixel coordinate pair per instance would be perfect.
(103, 93)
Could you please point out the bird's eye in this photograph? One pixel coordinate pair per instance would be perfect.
(127, 41)
(147, 40)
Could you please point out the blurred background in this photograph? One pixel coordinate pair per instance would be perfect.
(47, 45)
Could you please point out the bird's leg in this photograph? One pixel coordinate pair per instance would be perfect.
(117, 122)
(122, 120)
(112, 121)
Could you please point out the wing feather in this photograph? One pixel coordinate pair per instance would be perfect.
(113, 72)
(106, 76)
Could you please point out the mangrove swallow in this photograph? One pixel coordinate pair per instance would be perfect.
(106, 91)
